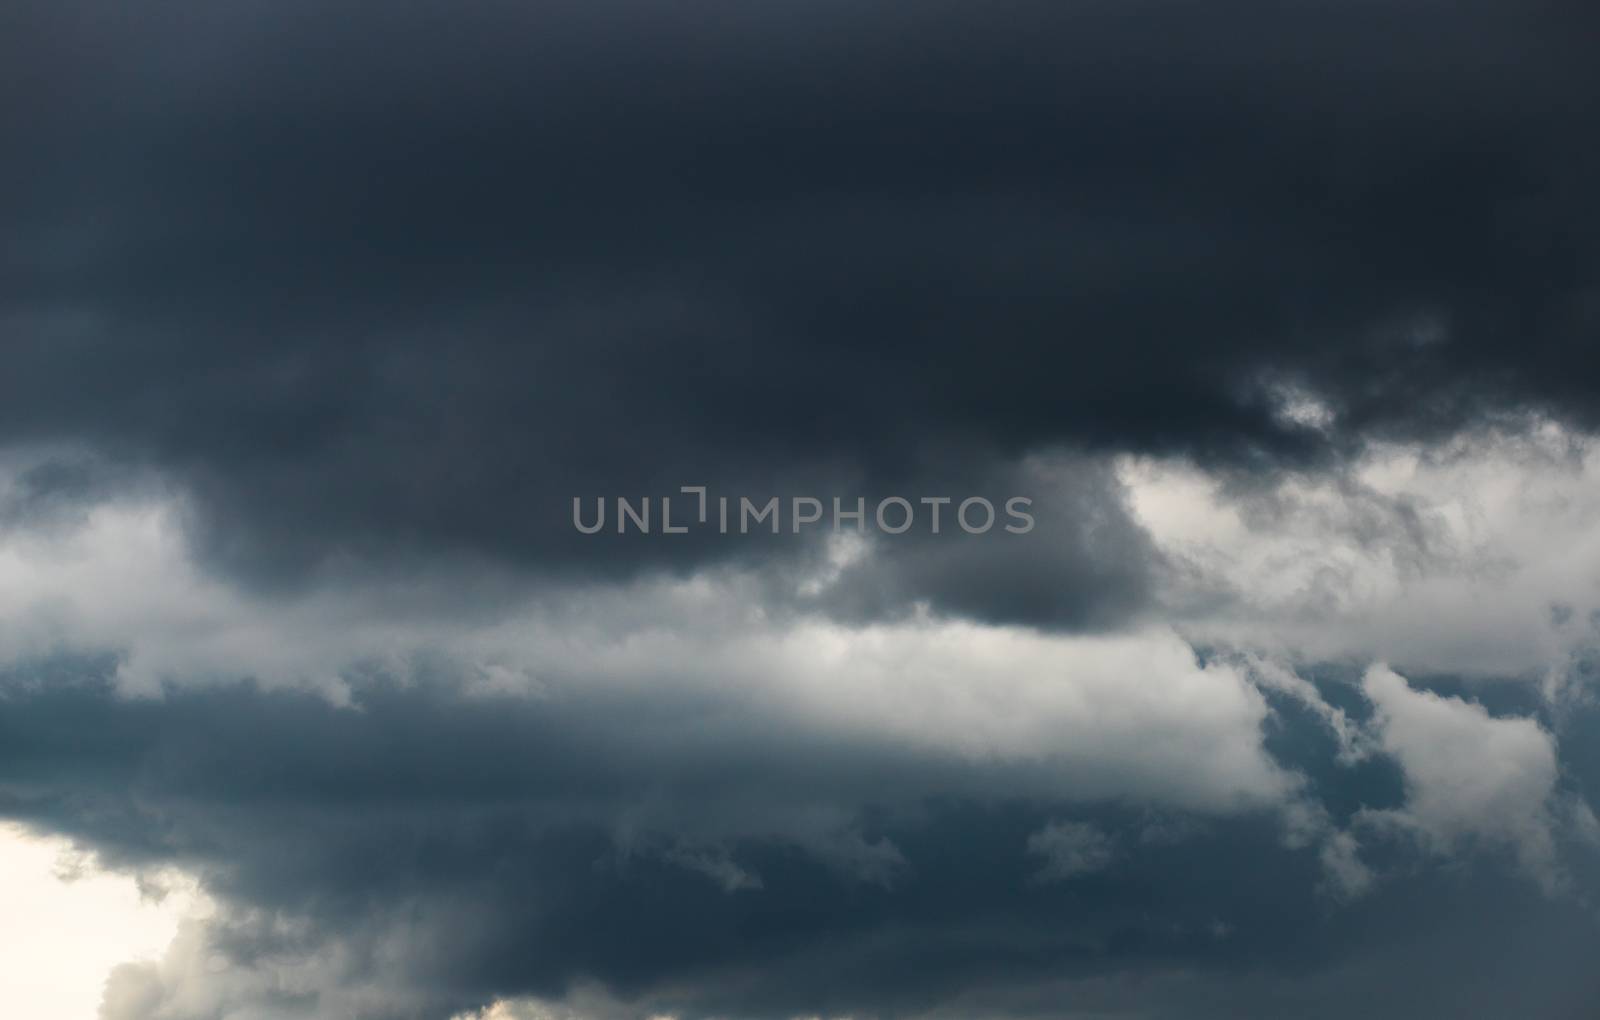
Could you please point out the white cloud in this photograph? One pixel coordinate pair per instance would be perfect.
(584, 1002)
(1477, 556)
(1117, 715)
(197, 979)
(1470, 778)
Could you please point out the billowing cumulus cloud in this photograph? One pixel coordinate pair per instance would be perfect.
(1279, 317)
(1468, 775)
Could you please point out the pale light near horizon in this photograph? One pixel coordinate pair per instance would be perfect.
(65, 923)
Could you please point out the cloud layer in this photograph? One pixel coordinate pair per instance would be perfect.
(314, 324)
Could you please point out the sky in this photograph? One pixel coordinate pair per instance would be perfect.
(1219, 636)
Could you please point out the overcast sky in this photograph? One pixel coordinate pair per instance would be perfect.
(1280, 319)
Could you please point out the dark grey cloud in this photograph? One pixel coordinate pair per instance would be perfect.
(1075, 560)
(56, 491)
(386, 290)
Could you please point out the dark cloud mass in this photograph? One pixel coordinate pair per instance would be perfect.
(404, 284)
(362, 297)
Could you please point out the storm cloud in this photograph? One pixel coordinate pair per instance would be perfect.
(385, 286)
(315, 319)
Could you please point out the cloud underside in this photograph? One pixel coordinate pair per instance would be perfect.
(1282, 315)
(370, 294)
(430, 848)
